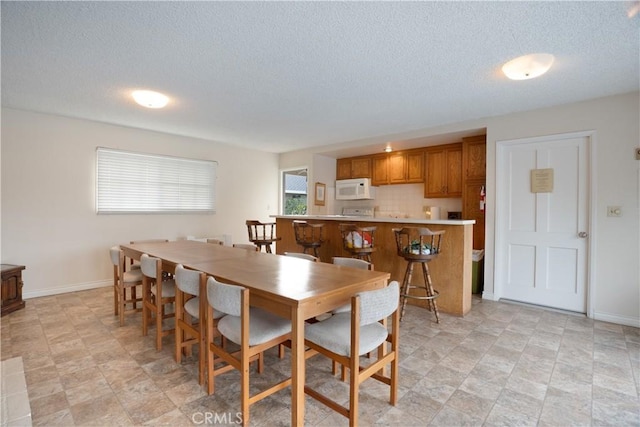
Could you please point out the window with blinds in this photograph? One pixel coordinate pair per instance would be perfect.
(129, 182)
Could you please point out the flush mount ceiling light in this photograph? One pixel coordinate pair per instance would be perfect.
(388, 149)
(528, 66)
(149, 98)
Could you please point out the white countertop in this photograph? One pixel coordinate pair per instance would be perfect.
(378, 219)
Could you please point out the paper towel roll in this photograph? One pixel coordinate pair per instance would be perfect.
(435, 212)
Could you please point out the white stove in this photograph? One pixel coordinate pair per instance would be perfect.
(364, 212)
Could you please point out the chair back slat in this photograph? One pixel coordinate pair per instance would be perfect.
(308, 233)
(261, 230)
(149, 265)
(352, 262)
(378, 304)
(188, 281)
(355, 237)
(301, 256)
(224, 297)
(115, 254)
(419, 243)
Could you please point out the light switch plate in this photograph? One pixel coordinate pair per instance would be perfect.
(614, 211)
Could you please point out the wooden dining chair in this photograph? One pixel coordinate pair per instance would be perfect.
(156, 293)
(190, 316)
(246, 246)
(136, 264)
(301, 256)
(251, 328)
(124, 280)
(345, 337)
(358, 241)
(262, 234)
(353, 263)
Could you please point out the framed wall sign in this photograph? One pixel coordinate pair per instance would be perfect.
(320, 194)
(542, 180)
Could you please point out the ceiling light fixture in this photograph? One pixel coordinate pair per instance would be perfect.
(388, 149)
(528, 66)
(150, 99)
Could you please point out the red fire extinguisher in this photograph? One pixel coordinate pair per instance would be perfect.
(482, 195)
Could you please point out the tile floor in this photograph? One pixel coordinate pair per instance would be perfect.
(15, 398)
(502, 364)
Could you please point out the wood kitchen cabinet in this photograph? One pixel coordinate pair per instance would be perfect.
(443, 171)
(415, 166)
(402, 167)
(397, 164)
(353, 167)
(471, 210)
(380, 169)
(474, 156)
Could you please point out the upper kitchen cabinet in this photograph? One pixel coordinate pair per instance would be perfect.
(443, 171)
(415, 166)
(474, 157)
(353, 167)
(401, 167)
(379, 169)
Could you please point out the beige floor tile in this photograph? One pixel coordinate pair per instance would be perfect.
(502, 364)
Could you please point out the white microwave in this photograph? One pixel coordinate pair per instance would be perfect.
(353, 189)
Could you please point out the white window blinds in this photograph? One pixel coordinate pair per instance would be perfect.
(130, 182)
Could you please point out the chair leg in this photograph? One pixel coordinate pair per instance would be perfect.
(159, 316)
(145, 310)
(179, 333)
(133, 297)
(354, 388)
(121, 304)
(405, 287)
(244, 388)
(115, 300)
(430, 292)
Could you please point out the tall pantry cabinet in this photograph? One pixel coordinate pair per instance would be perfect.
(474, 171)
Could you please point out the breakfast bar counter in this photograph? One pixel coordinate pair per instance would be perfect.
(450, 272)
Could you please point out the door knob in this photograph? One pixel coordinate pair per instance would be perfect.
(583, 234)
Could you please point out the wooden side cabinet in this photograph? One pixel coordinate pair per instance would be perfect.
(11, 288)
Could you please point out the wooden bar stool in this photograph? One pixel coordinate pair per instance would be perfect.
(418, 245)
(262, 234)
(358, 241)
(309, 236)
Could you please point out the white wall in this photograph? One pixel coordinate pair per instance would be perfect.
(615, 265)
(48, 216)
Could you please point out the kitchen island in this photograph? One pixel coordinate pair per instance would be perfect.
(450, 272)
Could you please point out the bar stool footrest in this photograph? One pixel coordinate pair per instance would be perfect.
(435, 295)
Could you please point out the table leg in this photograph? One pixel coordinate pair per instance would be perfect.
(297, 368)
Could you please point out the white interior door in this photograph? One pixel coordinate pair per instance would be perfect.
(542, 241)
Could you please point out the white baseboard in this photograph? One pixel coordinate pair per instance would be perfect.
(65, 289)
(489, 296)
(616, 318)
(603, 317)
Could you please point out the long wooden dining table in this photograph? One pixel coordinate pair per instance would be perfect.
(289, 287)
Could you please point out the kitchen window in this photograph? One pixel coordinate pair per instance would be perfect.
(294, 191)
(130, 183)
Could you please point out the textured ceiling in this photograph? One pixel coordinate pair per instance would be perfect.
(280, 76)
